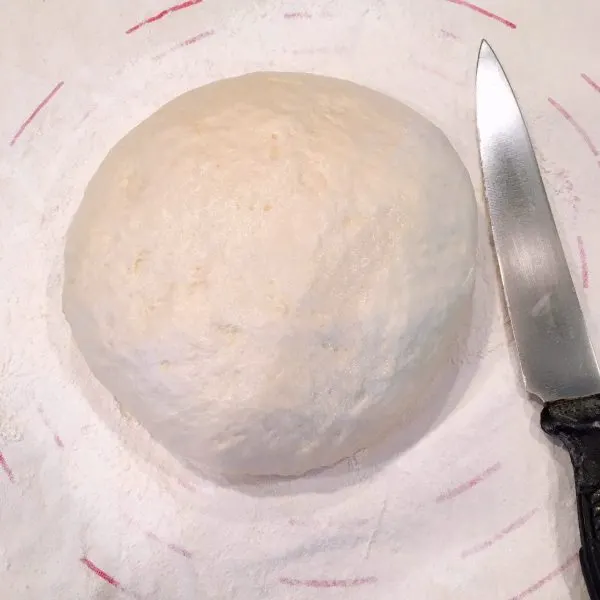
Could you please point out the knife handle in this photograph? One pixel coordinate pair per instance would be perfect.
(576, 423)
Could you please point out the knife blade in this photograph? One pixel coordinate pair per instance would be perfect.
(555, 352)
(556, 355)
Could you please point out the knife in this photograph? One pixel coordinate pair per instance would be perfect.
(557, 359)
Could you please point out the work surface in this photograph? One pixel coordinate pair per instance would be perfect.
(480, 505)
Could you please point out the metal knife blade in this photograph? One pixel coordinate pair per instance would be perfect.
(556, 355)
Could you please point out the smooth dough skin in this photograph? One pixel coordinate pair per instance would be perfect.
(268, 271)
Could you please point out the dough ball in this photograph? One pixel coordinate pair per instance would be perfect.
(268, 272)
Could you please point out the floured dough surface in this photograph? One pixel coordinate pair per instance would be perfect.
(268, 271)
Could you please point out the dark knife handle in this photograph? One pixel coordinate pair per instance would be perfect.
(576, 423)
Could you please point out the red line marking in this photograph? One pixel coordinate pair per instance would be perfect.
(6, 468)
(582, 132)
(33, 115)
(468, 485)
(102, 574)
(589, 80)
(327, 583)
(197, 38)
(58, 441)
(485, 12)
(188, 42)
(499, 536)
(585, 273)
(542, 582)
(162, 14)
(297, 15)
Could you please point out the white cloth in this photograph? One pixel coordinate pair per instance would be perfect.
(480, 506)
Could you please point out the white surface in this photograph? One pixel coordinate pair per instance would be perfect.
(480, 506)
(261, 275)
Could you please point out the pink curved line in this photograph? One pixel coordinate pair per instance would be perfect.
(297, 15)
(162, 14)
(187, 42)
(327, 583)
(542, 582)
(6, 468)
(580, 130)
(99, 572)
(591, 82)
(500, 535)
(487, 13)
(36, 111)
(468, 485)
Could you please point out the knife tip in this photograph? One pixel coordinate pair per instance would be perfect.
(484, 48)
(485, 55)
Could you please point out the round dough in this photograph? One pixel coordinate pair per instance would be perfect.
(269, 270)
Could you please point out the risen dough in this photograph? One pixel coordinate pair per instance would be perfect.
(267, 272)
